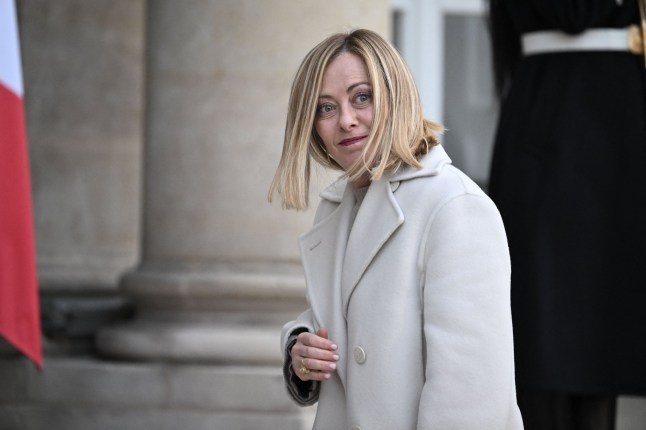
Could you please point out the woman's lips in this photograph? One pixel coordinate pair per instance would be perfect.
(351, 140)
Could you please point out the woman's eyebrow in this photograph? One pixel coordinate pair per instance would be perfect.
(350, 88)
(353, 86)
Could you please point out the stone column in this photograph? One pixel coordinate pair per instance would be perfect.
(82, 66)
(220, 270)
(83, 98)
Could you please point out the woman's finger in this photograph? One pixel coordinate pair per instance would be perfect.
(311, 339)
(301, 367)
(321, 365)
(313, 352)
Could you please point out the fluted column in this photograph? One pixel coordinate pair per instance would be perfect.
(220, 270)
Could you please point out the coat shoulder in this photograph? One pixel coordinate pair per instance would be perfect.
(437, 175)
(449, 183)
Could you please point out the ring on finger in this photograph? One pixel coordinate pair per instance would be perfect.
(303, 369)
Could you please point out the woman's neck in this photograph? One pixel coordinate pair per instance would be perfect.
(362, 182)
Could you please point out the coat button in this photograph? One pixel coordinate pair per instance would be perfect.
(359, 355)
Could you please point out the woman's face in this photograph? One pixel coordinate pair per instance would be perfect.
(344, 112)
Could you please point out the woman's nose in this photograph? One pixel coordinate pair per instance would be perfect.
(348, 118)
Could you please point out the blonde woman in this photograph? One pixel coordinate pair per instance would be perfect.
(407, 265)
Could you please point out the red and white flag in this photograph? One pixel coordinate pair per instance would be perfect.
(19, 309)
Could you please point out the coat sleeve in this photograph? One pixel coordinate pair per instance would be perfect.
(304, 393)
(469, 365)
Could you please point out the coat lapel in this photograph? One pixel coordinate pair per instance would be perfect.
(377, 219)
(322, 252)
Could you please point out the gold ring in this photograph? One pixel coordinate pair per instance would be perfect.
(304, 370)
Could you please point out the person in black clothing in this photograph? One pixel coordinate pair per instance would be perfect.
(569, 177)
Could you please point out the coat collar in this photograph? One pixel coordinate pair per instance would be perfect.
(432, 163)
(336, 252)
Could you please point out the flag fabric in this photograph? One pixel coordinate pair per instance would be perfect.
(19, 308)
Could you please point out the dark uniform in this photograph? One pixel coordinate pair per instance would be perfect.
(569, 177)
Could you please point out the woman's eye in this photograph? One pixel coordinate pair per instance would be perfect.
(325, 109)
(362, 98)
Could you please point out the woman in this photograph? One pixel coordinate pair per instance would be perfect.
(568, 177)
(407, 266)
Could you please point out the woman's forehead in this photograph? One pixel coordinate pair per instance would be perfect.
(344, 71)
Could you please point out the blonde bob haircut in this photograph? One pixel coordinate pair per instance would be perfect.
(399, 133)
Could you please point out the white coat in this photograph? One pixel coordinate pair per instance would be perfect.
(415, 294)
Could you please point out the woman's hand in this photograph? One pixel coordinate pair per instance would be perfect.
(313, 356)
